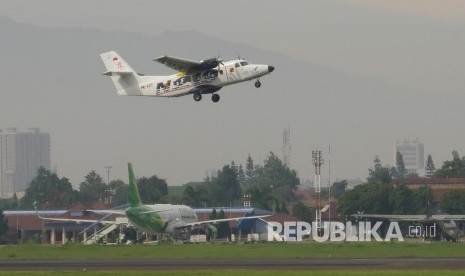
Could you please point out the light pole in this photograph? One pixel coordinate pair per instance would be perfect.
(108, 168)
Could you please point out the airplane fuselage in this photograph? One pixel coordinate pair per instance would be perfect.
(160, 218)
(204, 82)
(194, 77)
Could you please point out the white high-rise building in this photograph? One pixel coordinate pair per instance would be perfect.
(21, 154)
(413, 155)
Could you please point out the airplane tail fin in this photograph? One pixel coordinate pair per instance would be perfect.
(133, 196)
(125, 79)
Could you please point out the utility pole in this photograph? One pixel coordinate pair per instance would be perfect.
(110, 192)
(287, 147)
(108, 168)
(317, 162)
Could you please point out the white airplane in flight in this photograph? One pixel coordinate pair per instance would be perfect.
(193, 77)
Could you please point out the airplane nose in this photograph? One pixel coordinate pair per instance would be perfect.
(270, 68)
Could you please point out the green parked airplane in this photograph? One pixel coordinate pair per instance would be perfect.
(175, 220)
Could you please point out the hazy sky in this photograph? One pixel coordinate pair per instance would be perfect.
(415, 44)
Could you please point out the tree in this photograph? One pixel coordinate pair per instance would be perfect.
(249, 168)
(92, 188)
(338, 188)
(453, 168)
(262, 197)
(303, 212)
(225, 188)
(3, 226)
(279, 178)
(15, 201)
(152, 189)
(402, 200)
(213, 215)
(455, 155)
(400, 166)
(195, 196)
(393, 173)
(241, 176)
(47, 188)
(379, 174)
(368, 198)
(424, 197)
(453, 202)
(120, 192)
(222, 227)
(429, 167)
(234, 168)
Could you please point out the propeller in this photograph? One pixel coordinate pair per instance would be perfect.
(219, 61)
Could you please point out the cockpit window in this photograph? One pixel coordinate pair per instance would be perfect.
(236, 65)
(244, 63)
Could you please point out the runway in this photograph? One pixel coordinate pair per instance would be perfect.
(269, 264)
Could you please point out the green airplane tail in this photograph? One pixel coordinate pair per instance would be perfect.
(133, 196)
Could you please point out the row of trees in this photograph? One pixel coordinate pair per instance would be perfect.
(47, 189)
(270, 185)
(385, 174)
(379, 196)
(449, 169)
(384, 198)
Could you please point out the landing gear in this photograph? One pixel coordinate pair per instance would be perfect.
(258, 83)
(215, 98)
(197, 97)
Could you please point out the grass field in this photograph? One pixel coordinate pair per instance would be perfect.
(262, 250)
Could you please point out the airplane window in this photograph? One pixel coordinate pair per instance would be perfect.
(196, 77)
(213, 74)
(210, 74)
(244, 63)
(177, 82)
(236, 65)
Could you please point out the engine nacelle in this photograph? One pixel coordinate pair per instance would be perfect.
(209, 63)
(172, 225)
(211, 231)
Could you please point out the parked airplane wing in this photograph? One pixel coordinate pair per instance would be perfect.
(79, 220)
(108, 211)
(214, 221)
(179, 64)
(448, 217)
(394, 217)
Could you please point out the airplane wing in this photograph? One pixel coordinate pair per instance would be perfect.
(214, 221)
(448, 217)
(394, 217)
(79, 220)
(106, 212)
(179, 64)
(187, 66)
(411, 217)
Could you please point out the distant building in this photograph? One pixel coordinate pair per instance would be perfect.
(413, 155)
(21, 154)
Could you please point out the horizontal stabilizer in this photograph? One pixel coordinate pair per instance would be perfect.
(117, 73)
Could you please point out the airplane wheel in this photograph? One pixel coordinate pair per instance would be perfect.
(215, 98)
(258, 84)
(197, 97)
